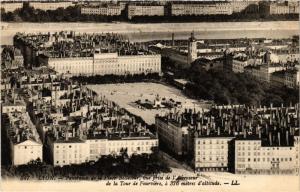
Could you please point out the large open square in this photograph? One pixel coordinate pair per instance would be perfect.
(127, 93)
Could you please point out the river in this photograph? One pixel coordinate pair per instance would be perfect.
(154, 31)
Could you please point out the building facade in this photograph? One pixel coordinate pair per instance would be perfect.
(72, 151)
(132, 145)
(220, 8)
(25, 144)
(24, 152)
(211, 153)
(172, 135)
(145, 10)
(11, 7)
(263, 72)
(288, 7)
(252, 157)
(50, 5)
(278, 78)
(292, 78)
(238, 65)
(238, 6)
(107, 10)
(105, 63)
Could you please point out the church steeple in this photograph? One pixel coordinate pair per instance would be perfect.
(192, 49)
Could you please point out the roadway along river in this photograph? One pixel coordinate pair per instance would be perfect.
(152, 31)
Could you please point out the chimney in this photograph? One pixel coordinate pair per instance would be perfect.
(180, 120)
(279, 141)
(207, 131)
(219, 131)
(270, 138)
(74, 132)
(271, 105)
(245, 133)
(67, 134)
(106, 132)
(55, 133)
(14, 99)
(287, 137)
(259, 133)
(198, 125)
(18, 138)
(173, 43)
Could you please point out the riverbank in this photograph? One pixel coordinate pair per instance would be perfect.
(157, 31)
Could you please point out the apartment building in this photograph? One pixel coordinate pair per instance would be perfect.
(107, 10)
(251, 156)
(288, 7)
(145, 10)
(67, 152)
(278, 78)
(212, 153)
(13, 106)
(292, 77)
(25, 144)
(287, 55)
(50, 5)
(239, 6)
(12, 58)
(95, 56)
(99, 145)
(263, 72)
(11, 7)
(213, 8)
(104, 63)
(173, 134)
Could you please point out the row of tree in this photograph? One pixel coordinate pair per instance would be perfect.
(69, 14)
(73, 14)
(230, 88)
(224, 87)
(105, 79)
(215, 18)
(106, 166)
